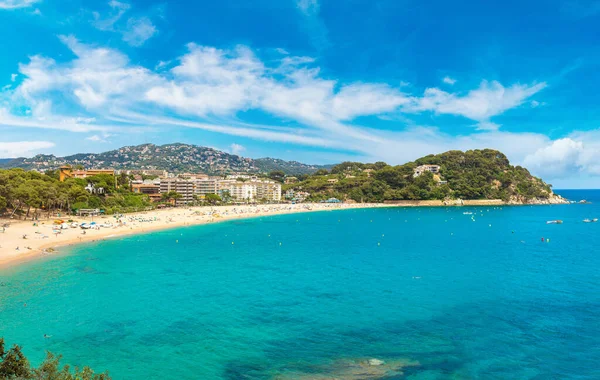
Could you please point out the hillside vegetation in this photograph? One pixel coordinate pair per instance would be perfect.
(176, 158)
(30, 194)
(474, 174)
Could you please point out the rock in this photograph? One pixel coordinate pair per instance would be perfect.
(375, 362)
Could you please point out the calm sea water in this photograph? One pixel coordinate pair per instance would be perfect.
(288, 296)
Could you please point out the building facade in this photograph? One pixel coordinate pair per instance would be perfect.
(206, 186)
(435, 169)
(181, 187)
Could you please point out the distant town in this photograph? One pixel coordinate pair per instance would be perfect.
(190, 187)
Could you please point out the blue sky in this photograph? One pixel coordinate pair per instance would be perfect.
(318, 81)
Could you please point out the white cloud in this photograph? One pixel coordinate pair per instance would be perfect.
(558, 158)
(22, 148)
(161, 65)
(308, 6)
(135, 32)
(118, 9)
(94, 138)
(449, 80)
(101, 91)
(13, 77)
(489, 100)
(14, 4)
(579, 153)
(237, 149)
(139, 30)
(487, 126)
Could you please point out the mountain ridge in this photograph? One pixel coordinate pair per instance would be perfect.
(175, 157)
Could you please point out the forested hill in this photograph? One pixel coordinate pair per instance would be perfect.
(171, 157)
(474, 174)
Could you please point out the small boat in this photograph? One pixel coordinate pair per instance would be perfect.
(554, 222)
(590, 220)
(467, 213)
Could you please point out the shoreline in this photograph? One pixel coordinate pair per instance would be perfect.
(14, 250)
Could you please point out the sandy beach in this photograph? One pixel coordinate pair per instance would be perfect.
(22, 241)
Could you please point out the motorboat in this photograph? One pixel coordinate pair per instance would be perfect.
(590, 220)
(554, 222)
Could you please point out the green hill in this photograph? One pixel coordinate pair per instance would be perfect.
(474, 174)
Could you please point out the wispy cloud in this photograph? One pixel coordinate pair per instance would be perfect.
(107, 23)
(308, 7)
(15, 4)
(449, 80)
(315, 27)
(100, 92)
(136, 31)
(22, 148)
(237, 149)
(99, 138)
(489, 100)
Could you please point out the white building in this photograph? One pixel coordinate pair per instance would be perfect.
(435, 169)
(251, 190)
(269, 190)
(206, 186)
(182, 187)
(239, 191)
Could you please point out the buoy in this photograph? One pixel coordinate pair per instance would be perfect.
(542, 239)
(547, 240)
(378, 243)
(232, 243)
(176, 241)
(280, 243)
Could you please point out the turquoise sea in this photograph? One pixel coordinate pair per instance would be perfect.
(309, 295)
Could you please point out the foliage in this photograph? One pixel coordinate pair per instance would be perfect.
(474, 174)
(277, 175)
(171, 196)
(212, 199)
(32, 193)
(14, 365)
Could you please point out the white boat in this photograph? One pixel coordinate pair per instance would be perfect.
(467, 213)
(554, 222)
(590, 220)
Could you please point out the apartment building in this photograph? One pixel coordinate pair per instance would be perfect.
(206, 186)
(182, 187)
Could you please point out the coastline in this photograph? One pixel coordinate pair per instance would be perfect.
(41, 241)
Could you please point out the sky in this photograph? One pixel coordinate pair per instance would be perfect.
(317, 81)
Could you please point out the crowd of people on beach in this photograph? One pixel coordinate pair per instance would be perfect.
(99, 227)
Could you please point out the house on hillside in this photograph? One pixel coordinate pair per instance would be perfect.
(92, 189)
(435, 169)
